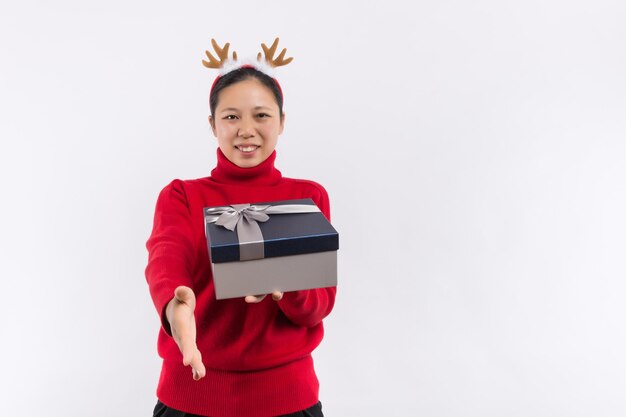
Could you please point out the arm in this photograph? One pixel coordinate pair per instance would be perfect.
(170, 248)
(170, 261)
(308, 307)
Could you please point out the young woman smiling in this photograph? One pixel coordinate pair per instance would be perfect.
(252, 356)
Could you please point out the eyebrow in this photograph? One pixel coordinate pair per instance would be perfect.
(255, 108)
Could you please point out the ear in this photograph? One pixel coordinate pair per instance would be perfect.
(212, 123)
(282, 124)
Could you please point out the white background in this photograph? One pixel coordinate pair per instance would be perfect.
(473, 152)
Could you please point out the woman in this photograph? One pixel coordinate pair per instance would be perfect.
(252, 356)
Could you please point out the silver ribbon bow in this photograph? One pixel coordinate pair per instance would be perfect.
(244, 219)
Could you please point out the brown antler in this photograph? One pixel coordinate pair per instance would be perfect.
(269, 55)
(222, 54)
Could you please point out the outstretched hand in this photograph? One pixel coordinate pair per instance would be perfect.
(179, 314)
(252, 299)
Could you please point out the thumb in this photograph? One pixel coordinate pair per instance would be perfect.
(185, 295)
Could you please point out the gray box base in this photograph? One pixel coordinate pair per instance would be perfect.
(285, 273)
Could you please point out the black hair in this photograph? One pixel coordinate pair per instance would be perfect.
(241, 74)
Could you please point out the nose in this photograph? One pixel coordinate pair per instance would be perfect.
(246, 129)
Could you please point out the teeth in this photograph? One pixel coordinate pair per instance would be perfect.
(247, 148)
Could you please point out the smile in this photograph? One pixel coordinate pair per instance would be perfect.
(248, 148)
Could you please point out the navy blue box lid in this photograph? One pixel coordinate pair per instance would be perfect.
(283, 234)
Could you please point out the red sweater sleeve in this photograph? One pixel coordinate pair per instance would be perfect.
(170, 248)
(309, 307)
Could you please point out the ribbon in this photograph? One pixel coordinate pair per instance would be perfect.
(244, 219)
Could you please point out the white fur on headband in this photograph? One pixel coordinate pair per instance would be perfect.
(262, 66)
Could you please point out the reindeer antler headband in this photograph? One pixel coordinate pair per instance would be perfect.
(226, 65)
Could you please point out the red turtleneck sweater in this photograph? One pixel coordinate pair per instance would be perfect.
(257, 356)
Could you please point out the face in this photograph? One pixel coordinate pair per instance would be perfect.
(247, 123)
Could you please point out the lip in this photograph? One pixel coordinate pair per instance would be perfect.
(256, 148)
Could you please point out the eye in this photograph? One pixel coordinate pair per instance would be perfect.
(229, 117)
(263, 115)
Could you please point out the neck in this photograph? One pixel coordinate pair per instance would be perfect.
(263, 174)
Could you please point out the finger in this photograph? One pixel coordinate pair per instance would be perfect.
(253, 299)
(199, 373)
(187, 355)
(188, 348)
(277, 295)
(185, 295)
(198, 369)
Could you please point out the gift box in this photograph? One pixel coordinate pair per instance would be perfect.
(260, 248)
